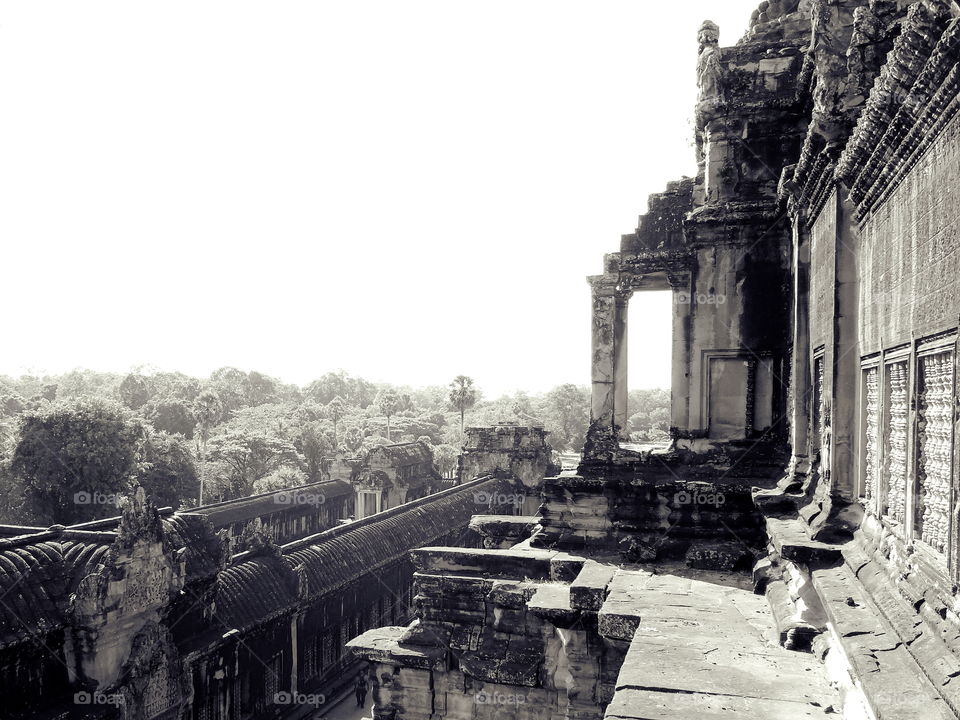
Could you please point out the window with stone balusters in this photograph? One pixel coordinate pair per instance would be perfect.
(934, 443)
(908, 473)
(870, 433)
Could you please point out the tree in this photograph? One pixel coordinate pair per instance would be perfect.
(251, 452)
(207, 409)
(463, 396)
(280, 479)
(314, 442)
(353, 438)
(166, 470)
(387, 403)
(135, 391)
(354, 391)
(230, 385)
(445, 458)
(171, 415)
(335, 410)
(74, 457)
(259, 389)
(567, 415)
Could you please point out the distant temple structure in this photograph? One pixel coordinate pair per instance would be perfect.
(239, 609)
(794, 552)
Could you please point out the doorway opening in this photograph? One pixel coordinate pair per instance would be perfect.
(649, 368)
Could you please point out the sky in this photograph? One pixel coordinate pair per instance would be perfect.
(405, 190)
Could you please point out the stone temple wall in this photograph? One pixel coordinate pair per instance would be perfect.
(814, 417)
(910, 268)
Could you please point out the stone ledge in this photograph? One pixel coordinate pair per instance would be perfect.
(589, 589)
(792, 542)
(523, 564)
(892, 683)
(552, 602)
(651, 704)
(619, 617)
(383, 645)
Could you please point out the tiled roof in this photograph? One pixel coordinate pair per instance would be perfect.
(258, 588)
(252, 592)
(37, 577)
(402, 454)
(244, 509)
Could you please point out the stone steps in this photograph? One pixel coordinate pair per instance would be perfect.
(890, 679)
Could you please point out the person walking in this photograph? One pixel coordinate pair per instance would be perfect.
(361, 687)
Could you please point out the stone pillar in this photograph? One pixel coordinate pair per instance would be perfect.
(621, 413)
(800, 358)
(680, 356)
(608, 360)
(602, 323)
(846, 356)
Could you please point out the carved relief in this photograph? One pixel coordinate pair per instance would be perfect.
(935, 448)
(160, 693)
(872, 392)
(895, 474)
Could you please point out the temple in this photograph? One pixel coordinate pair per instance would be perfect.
(793, 552)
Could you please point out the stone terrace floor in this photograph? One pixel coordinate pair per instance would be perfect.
(706, 647)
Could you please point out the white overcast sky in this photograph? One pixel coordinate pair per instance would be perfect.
(407, 190)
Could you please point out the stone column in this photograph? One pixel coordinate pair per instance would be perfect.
(602, 324)
(800, 358)
(621, 413)
(846, 356)
(608, 361)
(681, 289)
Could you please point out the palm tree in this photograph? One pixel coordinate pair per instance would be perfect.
(463, 396)
(207, 409)
(335, 411)
(387, 403)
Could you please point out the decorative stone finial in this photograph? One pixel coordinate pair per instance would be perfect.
(708, 34)
(708, 64)
(139, 519)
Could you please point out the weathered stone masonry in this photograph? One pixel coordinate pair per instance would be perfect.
(151, 616)
(813, 266)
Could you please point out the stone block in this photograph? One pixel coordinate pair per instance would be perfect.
(718, 555)
(589, 589)
(505, 564)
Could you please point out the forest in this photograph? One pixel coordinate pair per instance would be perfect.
(71, 444)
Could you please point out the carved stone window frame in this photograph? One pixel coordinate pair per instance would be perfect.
(896, 355)
(872, 362)
(944, 342)
(817, 390)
